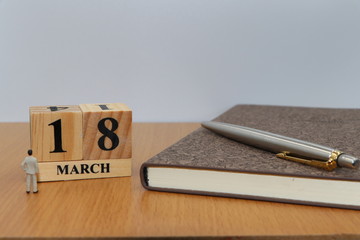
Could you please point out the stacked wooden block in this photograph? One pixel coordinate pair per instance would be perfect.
(81, 142)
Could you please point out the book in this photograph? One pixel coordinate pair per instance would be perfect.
(206, 163)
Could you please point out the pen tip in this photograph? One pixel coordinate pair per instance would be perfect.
(345, 160)
(206, 124)
(357, 163)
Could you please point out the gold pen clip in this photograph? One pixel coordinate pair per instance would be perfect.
(328, 165)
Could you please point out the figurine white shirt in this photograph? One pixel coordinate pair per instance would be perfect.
(30, 165)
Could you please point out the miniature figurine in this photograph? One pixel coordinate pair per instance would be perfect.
(30, 166)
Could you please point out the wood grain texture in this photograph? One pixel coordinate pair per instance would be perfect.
(43, 136)
(92, 115)
(84, 169)
(121, 207)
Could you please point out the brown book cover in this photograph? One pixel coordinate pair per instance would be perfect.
(205, 150)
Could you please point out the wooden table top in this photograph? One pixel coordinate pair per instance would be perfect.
(121, 207)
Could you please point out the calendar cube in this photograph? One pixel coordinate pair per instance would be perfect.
(56, 133)
(106, 131)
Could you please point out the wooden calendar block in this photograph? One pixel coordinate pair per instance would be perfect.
(106, 131)
(84, 169)
(56, 133)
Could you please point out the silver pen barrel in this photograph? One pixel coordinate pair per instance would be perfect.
(277, 143)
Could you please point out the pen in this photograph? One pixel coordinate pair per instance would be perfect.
(286, 147)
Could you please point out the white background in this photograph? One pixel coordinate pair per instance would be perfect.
(178, 60)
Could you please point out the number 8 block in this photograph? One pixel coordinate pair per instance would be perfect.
(106, 131)
(56, 133)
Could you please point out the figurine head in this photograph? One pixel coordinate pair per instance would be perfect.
(29, 152)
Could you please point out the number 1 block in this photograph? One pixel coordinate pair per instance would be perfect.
(56, 133)
(106, 131)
